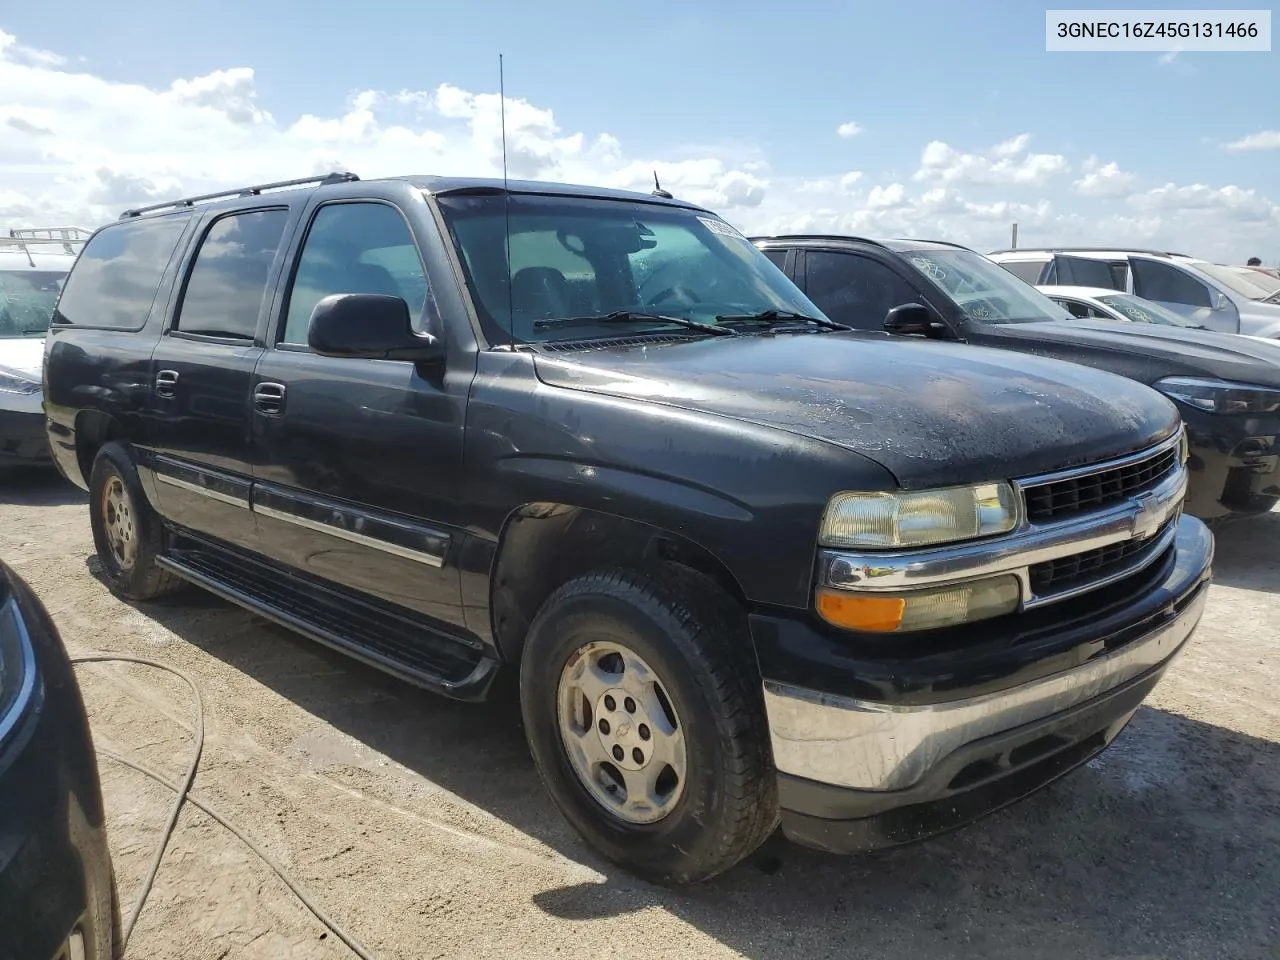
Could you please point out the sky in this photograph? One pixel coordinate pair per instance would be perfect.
(935, 118)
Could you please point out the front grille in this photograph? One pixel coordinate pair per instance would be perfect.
(1064, 573)
(1059, 499)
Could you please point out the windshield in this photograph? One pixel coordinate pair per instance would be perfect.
(1144, 311)
(984, 290)
(579, 257)
(27, 298)
(1234, 281)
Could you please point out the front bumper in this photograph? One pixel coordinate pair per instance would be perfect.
(1234, 466)
(858, 773)
(23, 439)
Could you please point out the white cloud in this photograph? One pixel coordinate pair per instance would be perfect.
(848, 181)
(1005, 163)
(890, 196)
(849, 130)
(1263, 140)
(1103, 180)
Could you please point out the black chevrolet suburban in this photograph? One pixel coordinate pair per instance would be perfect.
(751, 566)
(1226, 387)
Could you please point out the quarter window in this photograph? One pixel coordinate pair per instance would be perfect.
(228, 280)
(117, 274)
(354, 248)
(854, 290)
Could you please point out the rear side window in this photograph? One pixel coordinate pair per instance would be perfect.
(1167, 284)
(228, 280)
(1082, 272)
(115, 280)
(1028, 271)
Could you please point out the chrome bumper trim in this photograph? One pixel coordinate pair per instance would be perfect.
(874, 746)
(1137, 518)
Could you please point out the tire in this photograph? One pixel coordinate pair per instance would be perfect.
(126, 550)
(693, 639)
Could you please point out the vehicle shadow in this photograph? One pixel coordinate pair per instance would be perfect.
(1247, 553)
(38, 488)
(1167, 845)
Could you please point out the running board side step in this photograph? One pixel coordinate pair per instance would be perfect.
(394, 644)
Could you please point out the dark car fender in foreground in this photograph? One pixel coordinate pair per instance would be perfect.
(57, 892)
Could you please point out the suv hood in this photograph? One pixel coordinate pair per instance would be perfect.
(931, 413)
(1170, 350)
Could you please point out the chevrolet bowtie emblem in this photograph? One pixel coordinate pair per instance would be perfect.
(1149, 516)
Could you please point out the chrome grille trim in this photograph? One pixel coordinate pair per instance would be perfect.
(1034, 488)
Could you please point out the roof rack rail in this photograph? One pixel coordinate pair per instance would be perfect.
(252, 191)
(51, 234)
(816, 236)
(31, 240)
(1116, 249)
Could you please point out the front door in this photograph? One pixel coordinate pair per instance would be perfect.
(359, 460)
(201, 374)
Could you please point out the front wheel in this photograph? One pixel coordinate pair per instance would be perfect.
(643, 710)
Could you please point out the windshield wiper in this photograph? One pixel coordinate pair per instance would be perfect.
(773, 318)
(35, 332)
(633, 316)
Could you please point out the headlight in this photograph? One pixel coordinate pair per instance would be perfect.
(17, 668)
(925, 609)
(13, 381)
(917, 519)
(1221, 396)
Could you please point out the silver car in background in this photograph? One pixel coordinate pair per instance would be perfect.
(1210, 295)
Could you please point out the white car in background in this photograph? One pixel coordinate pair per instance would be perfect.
(1214, 296)
(1103, 303)
(33, 265)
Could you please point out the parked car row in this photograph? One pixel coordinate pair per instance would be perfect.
(752, 565)
(1226, 388)
(1227, 299)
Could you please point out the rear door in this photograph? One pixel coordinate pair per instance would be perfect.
(359, 461)
(202, 375)
(1183, 293)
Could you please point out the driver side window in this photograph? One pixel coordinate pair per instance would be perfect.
(854, 290)
(1167, 284)
(354, 248)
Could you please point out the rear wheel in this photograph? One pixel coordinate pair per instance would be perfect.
(127, 533)
(643, 710)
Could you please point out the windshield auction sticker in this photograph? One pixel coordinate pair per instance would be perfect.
(720, 228)
(1156, 31)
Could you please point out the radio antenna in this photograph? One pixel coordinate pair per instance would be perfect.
(506, 203)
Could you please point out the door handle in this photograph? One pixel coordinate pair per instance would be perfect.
(166, 383)
(268, 399)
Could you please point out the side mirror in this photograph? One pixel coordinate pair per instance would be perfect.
(369, 326)
(1220, 301)
(911, 320)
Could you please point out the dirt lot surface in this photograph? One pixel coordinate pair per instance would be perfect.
(421, 825)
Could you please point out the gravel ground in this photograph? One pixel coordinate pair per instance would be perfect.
(420, 823)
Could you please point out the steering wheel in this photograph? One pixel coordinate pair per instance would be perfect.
(678, 292)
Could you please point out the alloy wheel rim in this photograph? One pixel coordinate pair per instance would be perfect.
(118, 523)
(621, 732)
